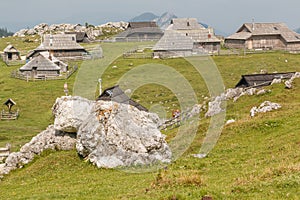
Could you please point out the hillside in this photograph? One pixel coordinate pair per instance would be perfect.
(255, 158)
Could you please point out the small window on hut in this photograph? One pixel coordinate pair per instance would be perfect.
(188, 23)
(73, 38)
(275, 28)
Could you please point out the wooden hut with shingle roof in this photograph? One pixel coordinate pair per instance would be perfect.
(43, 66)
(140, 31)
(186, 37)
(275, 36)
(116, 94)
(259, 80)
(62, 46)
(10, 53)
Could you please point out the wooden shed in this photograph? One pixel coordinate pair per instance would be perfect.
(259, 80)
(116, 94)
(62, 46)
(43, 66)
(140, 31)
(10, 53)
(275, 36)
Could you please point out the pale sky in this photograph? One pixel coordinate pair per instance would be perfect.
(224, 15)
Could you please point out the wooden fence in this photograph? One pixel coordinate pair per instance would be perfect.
(9, 115)
(18, 75)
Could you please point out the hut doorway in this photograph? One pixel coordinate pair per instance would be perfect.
(250, 44)
(34, 72)
(9, 56)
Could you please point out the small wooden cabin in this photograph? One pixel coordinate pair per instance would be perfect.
(10, 53)
(140, 31)
(116, 94)
(42, 66)
(255, 36)
(62, 46)
(259, 80)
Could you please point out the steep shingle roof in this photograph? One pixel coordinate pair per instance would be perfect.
(259, 80)
(184, 24)
(202, 35)
(41, 63)
(174, 40)
(59, 42)
(10, 49)
(254, 29)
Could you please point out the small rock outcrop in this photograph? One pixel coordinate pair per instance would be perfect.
(48, 139)
(117, 135)
(266, 106)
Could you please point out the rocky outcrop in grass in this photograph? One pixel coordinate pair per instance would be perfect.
(106, 133)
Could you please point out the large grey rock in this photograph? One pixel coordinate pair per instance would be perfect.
(48, 139)
(116, 135)
(70, 112)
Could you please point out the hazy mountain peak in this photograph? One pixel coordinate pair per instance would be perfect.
(147, 16)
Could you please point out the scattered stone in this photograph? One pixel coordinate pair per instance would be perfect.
(214, 107)
(230, 121)
(200, 155)
(276, 81)
(266, 106)
(263, 91)
(288, 84)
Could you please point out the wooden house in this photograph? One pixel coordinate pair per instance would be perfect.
(81, 37)
(116, 94)
(259, 80)
(62, 46)
(140, 31)
(254, 36)
(186, 37)
(10, 53)
(43, 66)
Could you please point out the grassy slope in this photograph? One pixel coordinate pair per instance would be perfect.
(254, 159)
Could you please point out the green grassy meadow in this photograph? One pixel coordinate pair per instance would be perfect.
(255, 158)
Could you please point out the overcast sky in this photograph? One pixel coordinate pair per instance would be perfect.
(224, 15)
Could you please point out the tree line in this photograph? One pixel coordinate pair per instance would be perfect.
(4, 32)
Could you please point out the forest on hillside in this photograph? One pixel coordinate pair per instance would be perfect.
(4, 32)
